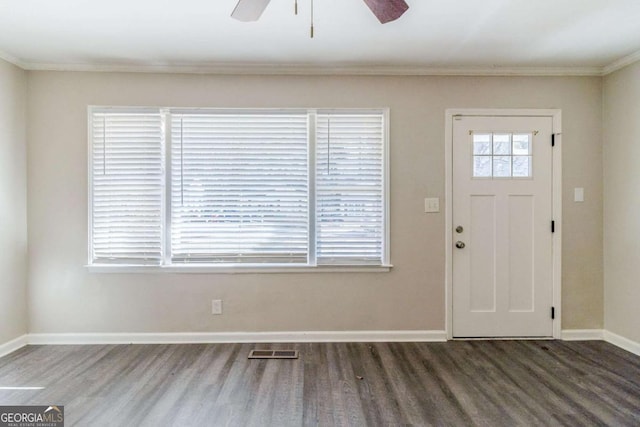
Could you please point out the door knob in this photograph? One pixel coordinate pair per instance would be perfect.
(460, 245)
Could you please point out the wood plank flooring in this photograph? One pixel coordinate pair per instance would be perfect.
(485, 383)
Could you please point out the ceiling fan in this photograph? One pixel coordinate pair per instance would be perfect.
(384, 10)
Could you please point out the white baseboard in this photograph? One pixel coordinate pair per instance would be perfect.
(582, 334)
(13, 345)
(239, 337)
(280, 337)
(622, 342)
(601, 334)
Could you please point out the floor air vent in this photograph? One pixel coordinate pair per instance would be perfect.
(273, 354)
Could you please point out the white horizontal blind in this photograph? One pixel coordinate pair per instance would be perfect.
(127, 187)
(350, 188)
(239, 187)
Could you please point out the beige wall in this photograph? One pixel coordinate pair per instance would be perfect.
(622, 202)
(65, 297)
(13, 202)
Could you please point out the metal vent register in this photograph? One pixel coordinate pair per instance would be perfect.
(273, 354)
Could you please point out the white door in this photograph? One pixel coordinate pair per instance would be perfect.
(502, 227)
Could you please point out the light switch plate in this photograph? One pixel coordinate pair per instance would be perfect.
(432, 205)
(578, 194)
(216, 306)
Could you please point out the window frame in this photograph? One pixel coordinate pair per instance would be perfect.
(311, 265)
(511, 156)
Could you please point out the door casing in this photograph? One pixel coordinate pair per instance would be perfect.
(556, 116)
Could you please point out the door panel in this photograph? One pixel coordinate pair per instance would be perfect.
(521, 255)
(483, 257)
(502, 198)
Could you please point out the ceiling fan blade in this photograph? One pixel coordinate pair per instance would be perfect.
(249, 10)
(387, 10)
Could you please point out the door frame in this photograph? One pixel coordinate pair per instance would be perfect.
(556, 116)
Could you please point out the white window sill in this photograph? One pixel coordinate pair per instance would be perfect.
(209, 269)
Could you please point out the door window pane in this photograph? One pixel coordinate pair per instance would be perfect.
(482, 144)
(521, 144)
(502, 166)
(521, 166)
(482, 166)
(501, 144)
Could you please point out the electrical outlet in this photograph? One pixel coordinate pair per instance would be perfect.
(216, 306)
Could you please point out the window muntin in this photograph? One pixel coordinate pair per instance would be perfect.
(250, 188)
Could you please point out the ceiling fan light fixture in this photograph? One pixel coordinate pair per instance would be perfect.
(384, 10)
(249, 10)
(387, 10)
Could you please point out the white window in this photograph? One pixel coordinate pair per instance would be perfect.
(126, 187)
(349, 188)
(216, 188)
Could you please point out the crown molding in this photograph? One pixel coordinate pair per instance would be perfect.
(328, 70)
(621, 63)
(313, 70)
(13, 60)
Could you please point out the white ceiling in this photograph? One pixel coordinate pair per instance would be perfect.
(579, 36)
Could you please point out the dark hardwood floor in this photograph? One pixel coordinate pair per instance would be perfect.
(489, 383)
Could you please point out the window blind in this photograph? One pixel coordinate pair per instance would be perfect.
(127, 187)
(349, 188)
(239, 188)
